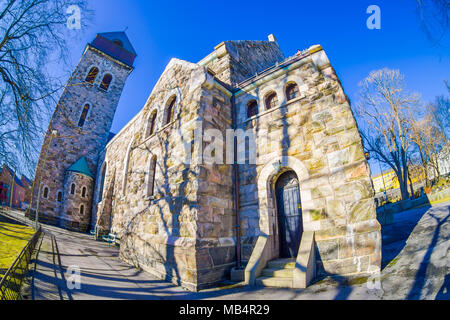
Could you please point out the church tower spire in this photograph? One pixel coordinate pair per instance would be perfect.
(79, 129)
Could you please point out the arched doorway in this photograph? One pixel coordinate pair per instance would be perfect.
(289, 212)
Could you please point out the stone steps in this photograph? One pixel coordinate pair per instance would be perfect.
(278, 274)
(274, 282)
(282, 264)
(275, 272)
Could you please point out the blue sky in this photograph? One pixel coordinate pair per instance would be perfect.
(189, 30)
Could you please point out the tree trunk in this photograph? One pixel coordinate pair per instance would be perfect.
(411, 184)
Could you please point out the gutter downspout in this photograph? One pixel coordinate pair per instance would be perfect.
(236, 189)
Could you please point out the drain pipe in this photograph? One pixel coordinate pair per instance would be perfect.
(236, 189)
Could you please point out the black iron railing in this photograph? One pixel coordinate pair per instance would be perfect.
(11, 282)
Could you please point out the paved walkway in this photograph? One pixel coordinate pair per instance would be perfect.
(415, 266)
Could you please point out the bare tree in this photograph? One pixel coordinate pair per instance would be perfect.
(428, 139)
(435, 19)
(382, 113)
(32, 33)
(440, 111)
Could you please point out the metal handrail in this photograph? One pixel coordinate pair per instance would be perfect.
(11, 281)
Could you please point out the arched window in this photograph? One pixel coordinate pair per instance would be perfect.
(59, 197)
(102, 184)
(151, 177)
(271, 100)
(82, 209)
(92, 75)
(83, 192)
(151, 124)
(72, 188)
(125, 167)
(292, 91)
(170, 110)
(106, 82)
(83, 115)
(252, 109)
(45, 194)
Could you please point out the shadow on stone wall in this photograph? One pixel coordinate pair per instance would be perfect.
(161, 253)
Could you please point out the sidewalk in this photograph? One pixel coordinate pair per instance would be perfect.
(415, 266)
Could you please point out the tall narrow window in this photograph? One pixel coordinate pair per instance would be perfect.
(271, 100)
(151, 177)
(92, 75)
(106, 81)
(45, 195)
(170, 110)
(83, 192)
(83, 116)
(59, 197)
(102, 184)
(252, 109)
(151, 124)
(292, 91)
(72, 188)
(82, 209)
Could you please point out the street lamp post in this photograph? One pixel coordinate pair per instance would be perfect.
(12, 188)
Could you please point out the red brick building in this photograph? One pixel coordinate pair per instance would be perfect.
(20, 188)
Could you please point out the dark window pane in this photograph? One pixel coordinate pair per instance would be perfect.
(83, 116)
(292, 91)
(92, 75)
(152, 124)
(252, 109)
(106, 81)
(271, 101)
(170, 111)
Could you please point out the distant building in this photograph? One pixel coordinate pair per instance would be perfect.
(388, 180)
(384, 181)
(20, 188)
(443, 163)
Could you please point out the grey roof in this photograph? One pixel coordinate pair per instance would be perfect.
(111, 36)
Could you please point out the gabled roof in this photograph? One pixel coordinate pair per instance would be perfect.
(18, 181)
(111, 36)
(82, 167)
(27, 180)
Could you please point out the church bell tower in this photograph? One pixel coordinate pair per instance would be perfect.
(79, 129)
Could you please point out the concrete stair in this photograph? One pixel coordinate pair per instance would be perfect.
(278, 274)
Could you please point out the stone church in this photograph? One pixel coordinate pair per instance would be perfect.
(299, 207)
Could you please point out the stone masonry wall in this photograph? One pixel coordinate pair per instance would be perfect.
(158, 232)
(318, 133)
(216, 220)
(185, 231)
(71, 217)
(237, 61)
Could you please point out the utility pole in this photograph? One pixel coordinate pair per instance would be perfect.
(12, 188)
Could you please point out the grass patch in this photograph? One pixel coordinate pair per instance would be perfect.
(13, 238)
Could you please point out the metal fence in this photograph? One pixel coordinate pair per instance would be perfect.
(11, 282)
